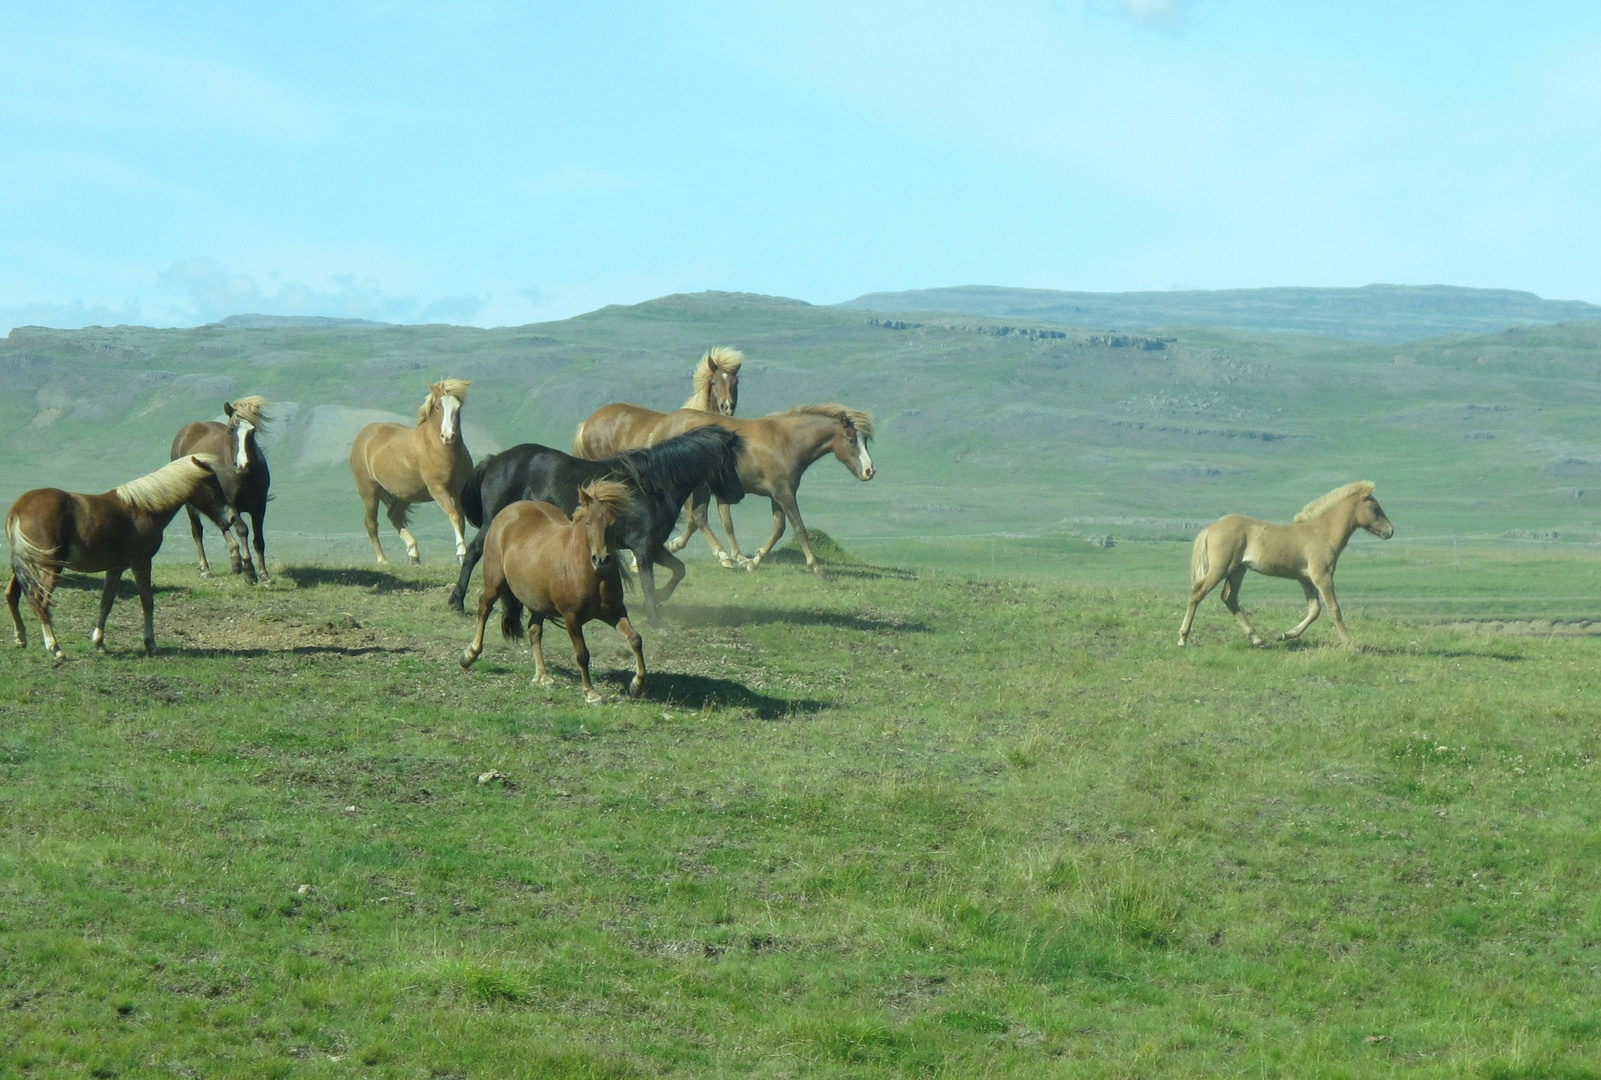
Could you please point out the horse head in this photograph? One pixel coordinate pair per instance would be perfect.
(245, 416)
(717, 381)
(447, 395)
(1370, 516)
(600, 504)
(850, 443)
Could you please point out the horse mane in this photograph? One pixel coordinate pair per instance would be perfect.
(252, 410)
(456, 388)
(856, 418)
(679, 463)
(612, 496)
(169, 485)
(718, 358)
(1322, 503)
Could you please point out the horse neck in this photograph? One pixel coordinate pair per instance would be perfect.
(701, 401)
(812, 436)
(1337, 523)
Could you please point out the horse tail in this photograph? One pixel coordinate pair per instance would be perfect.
(578, 441)
(1200, 562)
(472, 493)
(26, 557)
(511, 616)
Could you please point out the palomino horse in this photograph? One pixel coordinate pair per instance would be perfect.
(51, 530)
(242, 472)
(779, 448)
(1305, 550)
(612, 429)
(661, 477)
(398, 465)
(561, 570)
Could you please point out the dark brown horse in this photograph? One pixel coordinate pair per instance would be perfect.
(778, 450)
(51, 530)
(398, 465)
(242, 473)
(611, 429)
(561, 570)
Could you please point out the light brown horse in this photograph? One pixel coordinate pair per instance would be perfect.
(398, 465)
(1306, 550)
(778, 450)
(242, 472)
(561, 570)
(611, 429)
(51, 530)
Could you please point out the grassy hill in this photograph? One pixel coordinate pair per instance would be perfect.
(989, 434)
(1381, 313)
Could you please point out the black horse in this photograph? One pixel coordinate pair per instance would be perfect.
(661, 478)
(243, 478)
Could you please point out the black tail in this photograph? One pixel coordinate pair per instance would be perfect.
(472, 495)
(511, 616)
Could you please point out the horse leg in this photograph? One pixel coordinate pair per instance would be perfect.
(475, 648)
(536, 642)
(13, 595)
(647, 584)
(1311, 613)
(397, 518)
(1325, 588)
(475, 552)
(198, 530)
(635, 642)
(369, 500)
(39, 600)
(778, 531)
(147, 600)
(1198, 592)
(792, 509)
(1231, 600)
(261, 547)
(676, 566)
(97, 636)
(726, 512)
(575, 631)
(453, 512)
(680, 542)
(241, 554)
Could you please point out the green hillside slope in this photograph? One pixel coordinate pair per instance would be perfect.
(1391, 313)
(983, 429)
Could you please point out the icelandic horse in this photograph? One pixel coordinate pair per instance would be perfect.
(51, 530)
(398, 465)
(559, 569)
(778, 450)
(1307, 550)
(243, 476)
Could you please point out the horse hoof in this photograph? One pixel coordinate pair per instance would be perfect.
(205, 574)
(729, 564)
(414, 559)
(1181, 643)
(593, 698)
(636, 688)
(467, 659)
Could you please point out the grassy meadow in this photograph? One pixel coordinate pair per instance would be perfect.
(878, 823)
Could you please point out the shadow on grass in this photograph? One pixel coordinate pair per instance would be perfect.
(126, 589)
(792, 556)
(311, 577)
(690, 615)
(700, 692)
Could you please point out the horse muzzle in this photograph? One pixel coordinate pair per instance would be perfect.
(600, 562)
(867, 474)
(1382, 529)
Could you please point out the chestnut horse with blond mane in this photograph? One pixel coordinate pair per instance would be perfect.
(1306, 550)
(777, 451)
(243, 476)
(561, 570)
(51, 530)
(398, 465)
(611, 429)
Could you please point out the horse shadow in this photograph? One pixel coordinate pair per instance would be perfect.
(690, 615)
(312, 577)
(1302, 645)
(96, 583)
(790, 556)
(696, 692)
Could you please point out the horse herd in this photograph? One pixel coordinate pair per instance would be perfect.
(549, 523)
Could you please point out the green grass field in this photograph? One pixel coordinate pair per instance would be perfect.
(883, 823)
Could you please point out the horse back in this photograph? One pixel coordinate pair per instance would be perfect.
(614, 428)
(87, 533)
(202, 437)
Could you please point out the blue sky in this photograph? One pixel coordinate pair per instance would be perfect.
(503, 163)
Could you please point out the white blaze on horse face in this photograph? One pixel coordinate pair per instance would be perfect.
(450, 405)
(241, 460)
(864, 459)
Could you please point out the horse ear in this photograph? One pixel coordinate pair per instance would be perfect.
(585, 498)
(202, 464)
(227, 408)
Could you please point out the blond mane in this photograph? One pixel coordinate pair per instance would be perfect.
(456, 388)
(1323, 503)
(169, 485)
(718, 358)
(611, 495)
(856, 418)
(252, 410)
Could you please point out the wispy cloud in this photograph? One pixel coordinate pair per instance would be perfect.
(200, 290)
(1169, 14)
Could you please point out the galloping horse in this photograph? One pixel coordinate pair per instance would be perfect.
(399, 465)
(1306, 550)
(612, 429)
(51, 530)
(661, 477)
(561, 570)
(242, 473)
(779, 448)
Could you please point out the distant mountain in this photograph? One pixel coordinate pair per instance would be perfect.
(1386, 313)
(278, 322)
